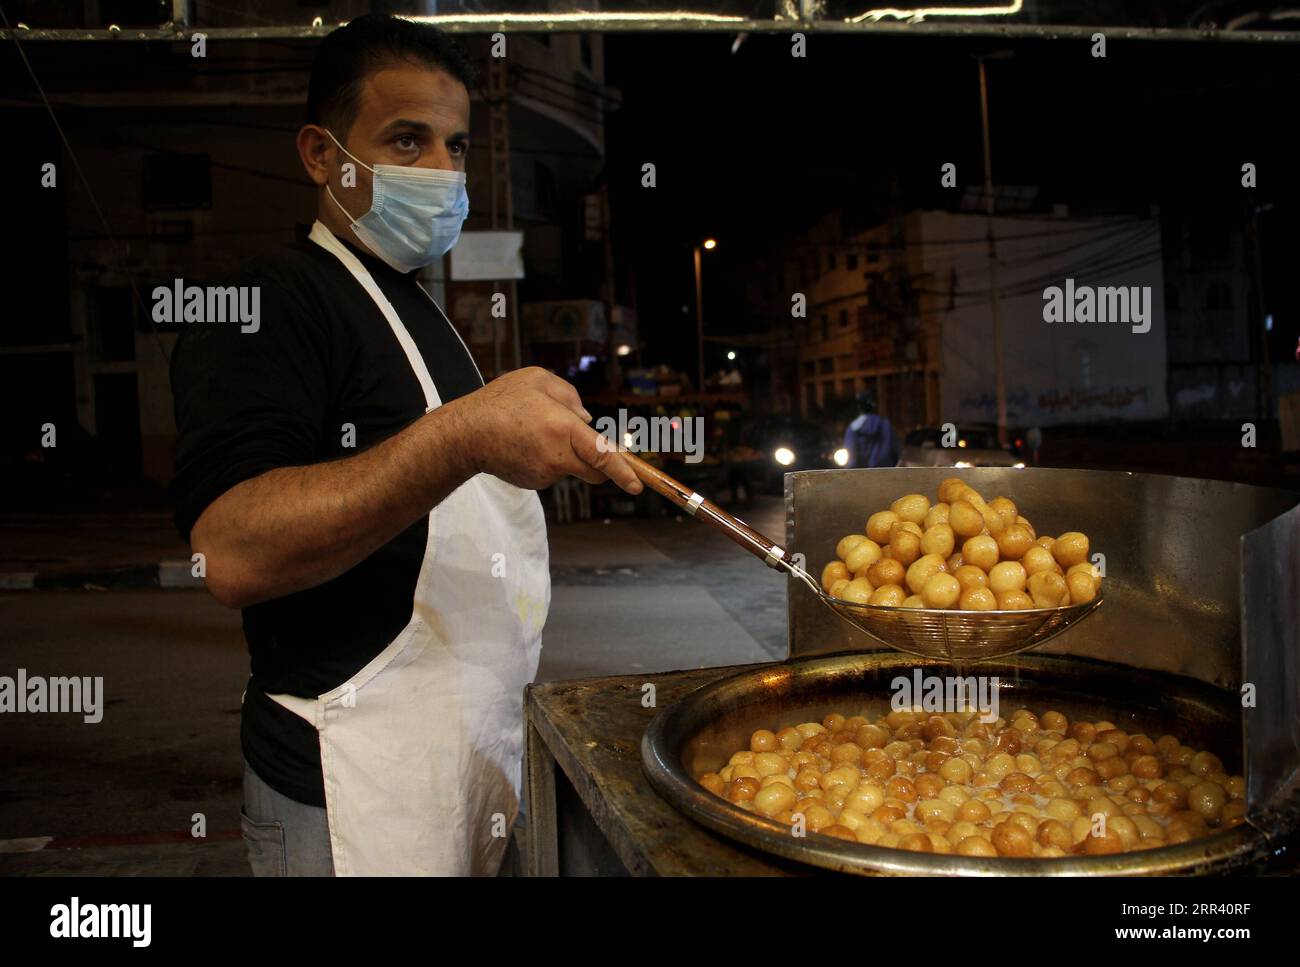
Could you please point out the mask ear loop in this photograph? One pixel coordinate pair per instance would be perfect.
(352, 222)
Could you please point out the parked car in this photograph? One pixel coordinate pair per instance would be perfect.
(974, 445)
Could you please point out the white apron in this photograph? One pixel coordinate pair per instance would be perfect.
(422, 749)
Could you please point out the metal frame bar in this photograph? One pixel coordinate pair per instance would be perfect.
(605, 23)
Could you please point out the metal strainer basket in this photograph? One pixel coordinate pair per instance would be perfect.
(957, 636)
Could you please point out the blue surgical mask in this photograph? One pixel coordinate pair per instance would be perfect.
(415, 213)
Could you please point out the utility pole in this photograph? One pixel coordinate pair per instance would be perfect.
(503, 208)
(999, 376)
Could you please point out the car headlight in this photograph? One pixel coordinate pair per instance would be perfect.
(1019, 466)
(784, 456)
(841, 457)
(963, 463)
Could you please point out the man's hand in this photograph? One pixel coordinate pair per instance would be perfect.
(529, 428)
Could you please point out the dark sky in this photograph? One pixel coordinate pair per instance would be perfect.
(753, 146)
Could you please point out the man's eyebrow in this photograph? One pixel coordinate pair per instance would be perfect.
(420, 126)
(459, 136)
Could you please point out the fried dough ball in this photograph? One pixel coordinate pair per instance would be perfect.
(1081, 586)
(886, 571)
(1007, 576)
(862, 555)
(1038, 559)
(1048, 589)
(981, 551)
(879, 524)
(913, 601)
(905, 545)
(1005, 509)
(941, 591)
(955, 562)
(965, 520)
(951, 488)
(1014, 601)
(1014, 542)
(1089, 569)
(833, 572)
(1070, 548)
(837, 589)
(912, 507)
(939, 539)
(1023, 522)
(857, 591)
(922, 569)
(847, 543)
(888, 596)
(978, 599)
(969, 577)
(938, 514)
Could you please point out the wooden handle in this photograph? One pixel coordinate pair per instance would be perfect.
(696, 505)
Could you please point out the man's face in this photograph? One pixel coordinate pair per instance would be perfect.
(408, 115)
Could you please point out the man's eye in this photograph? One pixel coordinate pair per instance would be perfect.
(406, 141)
(459, 148)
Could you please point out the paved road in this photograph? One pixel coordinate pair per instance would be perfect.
(120, 796)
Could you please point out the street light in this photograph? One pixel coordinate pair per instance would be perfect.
(709, 244)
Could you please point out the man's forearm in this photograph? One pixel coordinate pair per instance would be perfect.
(296, 527)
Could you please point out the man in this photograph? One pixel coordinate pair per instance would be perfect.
(870, 438)
(354, 487)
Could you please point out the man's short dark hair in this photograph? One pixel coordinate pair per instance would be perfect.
(365, 46)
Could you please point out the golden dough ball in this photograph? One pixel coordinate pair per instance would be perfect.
(886, 571)
(981, 551)
(832, 572)
(969, 577)
(938, 514)
(939, 539)
(1007, 576)
(1037, 559)
(912, 507)
(1053, 832)
(864, 554)
(714, 783)
(1011, 839)
(847, 543)
(1047, 588)
(951, 488)
(889, 596)
(775, 798)
(857, 591)
(965, 520)
(922, 569)
(911, 528)
(955, 562)
(743, 789)
(941, 591)
(1014, 542)
(879, 524)
(1005, 509)
(1070, 548)
(1089, 569)
(1081, 587)
(1014, 601)
(763, 740)
(1045, 541)
(913, 601)
(905, 545)
(977, 599)
(1207, 799)
(973, 497)
(994, 522)
(837, 589)
(976, 846)
(1024, 522)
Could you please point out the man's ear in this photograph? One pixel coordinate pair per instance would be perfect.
(313, 150)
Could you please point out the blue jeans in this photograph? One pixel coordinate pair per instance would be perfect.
(284, 837)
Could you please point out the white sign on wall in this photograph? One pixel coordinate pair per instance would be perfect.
(488, 256)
